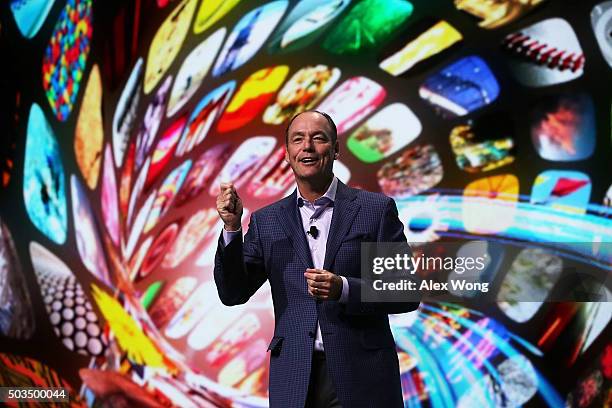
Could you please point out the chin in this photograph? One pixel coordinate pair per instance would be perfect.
(309, 172)
(308, 176)
(314, 176)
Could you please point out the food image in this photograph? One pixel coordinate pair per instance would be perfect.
(301, 92)
(417, 169)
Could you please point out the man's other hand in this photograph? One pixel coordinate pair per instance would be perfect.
(323, 284)
(229, 207)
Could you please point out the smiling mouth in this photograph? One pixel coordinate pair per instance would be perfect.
(308, 160)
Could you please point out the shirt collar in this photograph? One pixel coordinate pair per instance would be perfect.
(330, 193)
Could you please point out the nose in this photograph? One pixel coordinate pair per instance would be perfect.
(307, 144)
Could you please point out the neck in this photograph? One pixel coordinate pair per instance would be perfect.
(313, 189)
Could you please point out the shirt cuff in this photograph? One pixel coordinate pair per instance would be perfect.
(345, 290)
(228, 236)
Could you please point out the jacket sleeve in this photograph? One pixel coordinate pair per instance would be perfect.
(390, 229)
(239, 266)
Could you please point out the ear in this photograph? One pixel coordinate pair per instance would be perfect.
(286, 156)
(337, 149)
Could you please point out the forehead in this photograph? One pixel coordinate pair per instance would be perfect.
(309, 122)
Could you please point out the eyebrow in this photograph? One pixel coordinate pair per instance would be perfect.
(301, 133)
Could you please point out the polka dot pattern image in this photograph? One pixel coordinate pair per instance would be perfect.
(70, 312)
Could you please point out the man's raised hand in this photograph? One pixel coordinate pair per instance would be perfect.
(229, 207)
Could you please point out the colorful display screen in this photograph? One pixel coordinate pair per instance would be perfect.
(487, 121)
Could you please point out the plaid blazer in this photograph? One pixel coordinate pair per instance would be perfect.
(359, 347)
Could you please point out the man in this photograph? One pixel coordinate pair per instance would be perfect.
(329, 349)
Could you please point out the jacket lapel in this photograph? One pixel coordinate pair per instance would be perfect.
(345, 210)
(291, 222)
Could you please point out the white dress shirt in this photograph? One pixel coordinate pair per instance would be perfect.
(317, 245)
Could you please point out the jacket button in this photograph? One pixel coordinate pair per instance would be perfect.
(311, 334)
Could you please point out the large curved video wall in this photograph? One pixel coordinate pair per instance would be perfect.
(485, 120)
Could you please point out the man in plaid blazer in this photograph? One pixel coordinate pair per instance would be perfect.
(329, 349)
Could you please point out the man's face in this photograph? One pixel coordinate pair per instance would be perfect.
(310, 150)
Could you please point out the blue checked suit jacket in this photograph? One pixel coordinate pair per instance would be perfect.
(359, 346)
